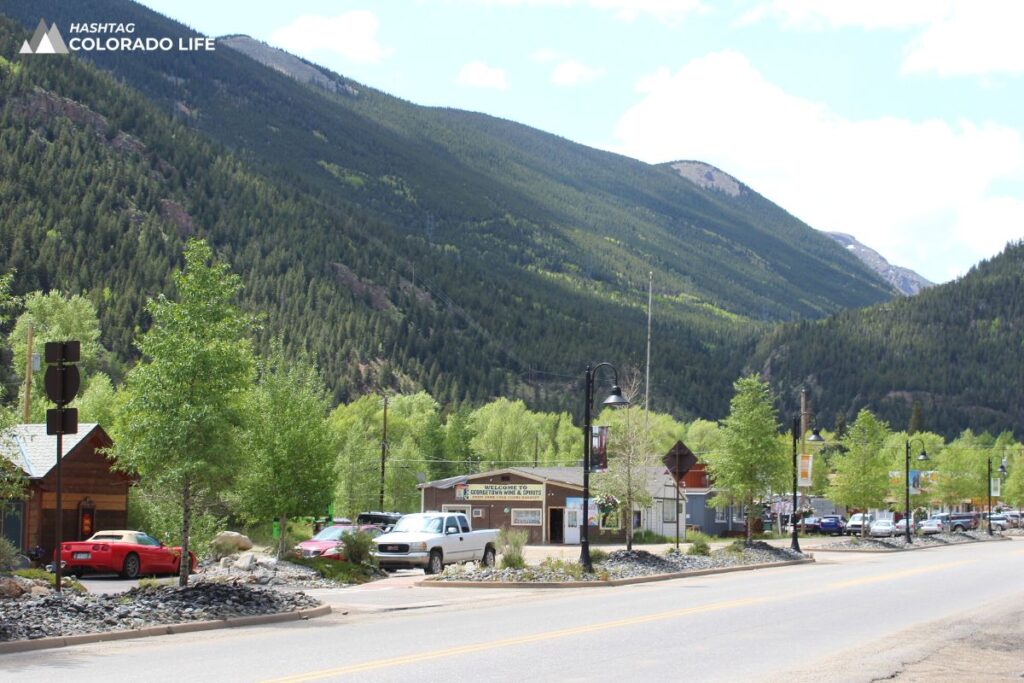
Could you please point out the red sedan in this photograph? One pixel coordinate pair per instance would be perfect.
(128, 553)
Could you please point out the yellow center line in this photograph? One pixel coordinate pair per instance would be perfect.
(604, 626)
(519, 640)
(879, 578)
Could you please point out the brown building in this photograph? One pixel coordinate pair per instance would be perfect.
(547, 502)
(94, 496)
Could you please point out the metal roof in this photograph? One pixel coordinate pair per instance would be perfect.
(29, 447)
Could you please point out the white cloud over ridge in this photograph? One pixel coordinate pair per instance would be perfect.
(570, 73)
(479, 75)
(951, 37)
(920, 192)
(352, 35)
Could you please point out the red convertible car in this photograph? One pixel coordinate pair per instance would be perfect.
(128, 553)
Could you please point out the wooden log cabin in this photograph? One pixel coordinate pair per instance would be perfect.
(94, 496)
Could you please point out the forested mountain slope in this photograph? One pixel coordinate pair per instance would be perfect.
(958, 348)
(493, 192)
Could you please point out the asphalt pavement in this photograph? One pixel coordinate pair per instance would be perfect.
(852, 617)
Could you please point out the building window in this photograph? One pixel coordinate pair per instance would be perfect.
(526, 517)
(638, 519)
(464, 509)
(739, 513)
(721, 515)
(669, 512)
(478, 512)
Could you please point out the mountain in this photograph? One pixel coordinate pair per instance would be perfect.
(956, 348)
(401, 245)
(903, 279)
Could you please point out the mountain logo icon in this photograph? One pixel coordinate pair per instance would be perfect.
(45, 41)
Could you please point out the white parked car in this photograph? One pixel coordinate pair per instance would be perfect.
(901, 526)
(882, 528)
(930, 526)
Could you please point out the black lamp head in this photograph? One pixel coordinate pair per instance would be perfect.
(815, 436)
(616, 399)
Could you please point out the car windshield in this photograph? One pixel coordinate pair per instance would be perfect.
(333, 533)
(419, 524)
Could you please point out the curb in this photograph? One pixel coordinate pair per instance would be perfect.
(908, 550)
(435, 583)
(162, 630)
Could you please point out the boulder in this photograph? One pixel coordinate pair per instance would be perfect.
(267, 562)
(230, 542)
(246, 562)
(10, 588)
(39, 592)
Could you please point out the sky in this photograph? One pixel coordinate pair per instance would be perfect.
(898, 122)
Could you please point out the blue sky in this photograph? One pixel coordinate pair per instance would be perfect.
(901, 123)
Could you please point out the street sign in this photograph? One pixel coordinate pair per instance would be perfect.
(62, 382)
(679, 460)
(61, 421)
(63, 352)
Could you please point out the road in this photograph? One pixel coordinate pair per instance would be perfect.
(942, 614)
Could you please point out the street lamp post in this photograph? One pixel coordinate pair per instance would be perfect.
(1002, 472)
(795, 544)
(615, 400)
(906, 512)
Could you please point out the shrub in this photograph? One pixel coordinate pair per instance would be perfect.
(510, 546)
(737, 547)
(334, 570)
(8, 555)
(357, 547)
(558, 566)
(648, 536)
(699, 544)
(598, 555)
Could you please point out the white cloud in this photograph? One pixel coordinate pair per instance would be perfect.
(545, 55)
(816, 15)
(951, 37)
(665, 11)
(920, 192)
(975, 39)
(352, 35)
(570, 73)
(480, 75)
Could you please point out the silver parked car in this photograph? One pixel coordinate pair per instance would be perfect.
(930, 526)
(882, 528)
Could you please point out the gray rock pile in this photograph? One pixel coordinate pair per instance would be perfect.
(900, 543)
(264, 570)
(71, 614)
(625, 564)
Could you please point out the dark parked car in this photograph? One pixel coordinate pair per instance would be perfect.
(384, 520)
(834, 525)
(958, 521)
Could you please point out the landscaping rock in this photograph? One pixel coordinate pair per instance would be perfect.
(230, 542)
(10, 588)
(71, 614)
(246, 562)
(624, 564)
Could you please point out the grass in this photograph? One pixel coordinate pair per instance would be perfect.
(37, 574)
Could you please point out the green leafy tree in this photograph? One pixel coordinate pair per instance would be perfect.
(630, 456)
(703, 437)
(962, 470)
(98, 402)
(357, 430)
(12, 480)
(54, 317)
(751, 459)
(289, 459)
(1013, 487)
(504, 432)
(862, 472)
(895, 446)
(182, 410)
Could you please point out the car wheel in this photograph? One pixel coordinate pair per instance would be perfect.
(488, 560)
(435, 564)
(132, 567)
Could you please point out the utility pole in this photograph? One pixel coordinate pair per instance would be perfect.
(383, 451)
(27, 408)
(536, 448)
(647, 381)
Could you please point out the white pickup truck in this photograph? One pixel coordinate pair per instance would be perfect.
(433, 539)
